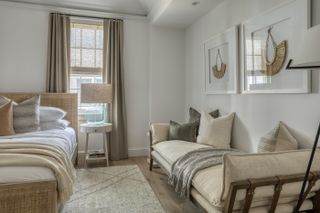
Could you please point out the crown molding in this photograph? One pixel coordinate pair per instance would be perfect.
(72, 11)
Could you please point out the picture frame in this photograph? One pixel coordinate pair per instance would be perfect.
(221, 70)
(278, 31)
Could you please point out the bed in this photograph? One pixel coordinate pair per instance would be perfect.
(34, 189)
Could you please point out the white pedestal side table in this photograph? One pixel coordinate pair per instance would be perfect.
(104, 129)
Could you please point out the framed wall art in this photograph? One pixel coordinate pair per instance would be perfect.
(269, 41)
(222, 63)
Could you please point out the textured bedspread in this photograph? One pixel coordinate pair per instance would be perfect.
(29, 153)
(184, 169)
(64, 139)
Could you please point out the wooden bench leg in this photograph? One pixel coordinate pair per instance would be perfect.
(316, 202)
(151, 164)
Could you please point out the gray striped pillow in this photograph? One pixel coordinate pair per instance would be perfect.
(278, 139)
(26, 115)
(4, 100)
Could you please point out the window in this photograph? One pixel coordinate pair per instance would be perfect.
(86, 61)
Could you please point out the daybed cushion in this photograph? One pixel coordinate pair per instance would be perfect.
(210, 182)
(160, 132)
(281, 208)
(210, 188)
(238, 167)
(172, 150)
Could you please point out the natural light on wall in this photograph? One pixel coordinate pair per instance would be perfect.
(254, 62)
(86, 62)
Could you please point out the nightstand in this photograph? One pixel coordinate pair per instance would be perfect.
(104, 129)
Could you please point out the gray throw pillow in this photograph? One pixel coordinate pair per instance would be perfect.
(183, 132)
(26, 115)
(194, 115)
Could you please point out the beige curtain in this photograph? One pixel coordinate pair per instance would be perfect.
(113, 74)
(58, 66)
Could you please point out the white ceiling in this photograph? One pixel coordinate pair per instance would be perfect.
(181, 13)
(148, 4)
(170, 13)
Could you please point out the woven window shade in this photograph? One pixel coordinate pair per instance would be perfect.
(96, 93)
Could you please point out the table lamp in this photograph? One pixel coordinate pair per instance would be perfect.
(308, 58)
(97, 94)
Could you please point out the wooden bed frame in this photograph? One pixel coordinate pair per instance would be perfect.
(39, 197)
(251, 185)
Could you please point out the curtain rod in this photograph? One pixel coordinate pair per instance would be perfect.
(85, 16)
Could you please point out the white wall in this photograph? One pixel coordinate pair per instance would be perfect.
(23, 52)
(167, 74)
(136, 68)
(256, 114)
(23, 49)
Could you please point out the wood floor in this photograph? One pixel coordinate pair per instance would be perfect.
(158, 181)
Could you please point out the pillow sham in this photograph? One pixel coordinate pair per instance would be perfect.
(26, 115)
(194, 115)
(59, 124)
(6, 119)
(48, 114)
(216, 132)
(4, 100)
(184, 132)
(278, 139)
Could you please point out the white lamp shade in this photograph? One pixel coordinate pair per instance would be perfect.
(309, 54)
(96, 93)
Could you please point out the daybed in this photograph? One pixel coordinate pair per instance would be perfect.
(267, 182)
(33, 189)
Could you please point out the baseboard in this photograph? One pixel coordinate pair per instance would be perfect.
(135, 152)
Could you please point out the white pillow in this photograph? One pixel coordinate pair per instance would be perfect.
(215, 131)
(60, 124)
(48, 114)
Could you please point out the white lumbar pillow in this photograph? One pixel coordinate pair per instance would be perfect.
(215, 131)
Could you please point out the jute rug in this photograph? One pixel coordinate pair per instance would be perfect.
(115, 189)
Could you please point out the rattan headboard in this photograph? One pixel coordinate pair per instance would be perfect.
(65, 101)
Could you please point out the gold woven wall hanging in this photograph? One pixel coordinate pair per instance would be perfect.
(271, 68)
(219, 73)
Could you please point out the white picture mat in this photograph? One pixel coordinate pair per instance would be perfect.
(227, 43)
(289, 22)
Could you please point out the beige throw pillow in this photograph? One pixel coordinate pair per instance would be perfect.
(6, 119)
(160, 132)
(215, 132)
(279, 139)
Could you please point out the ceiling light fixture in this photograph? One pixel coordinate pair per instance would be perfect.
(195, 3)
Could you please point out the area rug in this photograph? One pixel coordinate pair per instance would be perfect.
(115, 189)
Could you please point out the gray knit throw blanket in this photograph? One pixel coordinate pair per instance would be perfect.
(185, 167)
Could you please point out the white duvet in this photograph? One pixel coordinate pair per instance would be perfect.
(65, 139)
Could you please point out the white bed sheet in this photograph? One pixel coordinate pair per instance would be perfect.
(65, 139)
